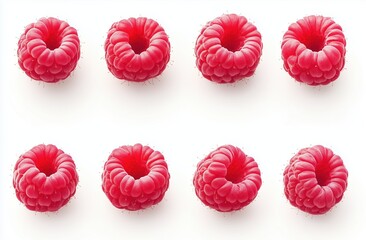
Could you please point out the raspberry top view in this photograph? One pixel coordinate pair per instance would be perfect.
(137, 49)
(227, 179)
(313, 50)
(49, 50)
(135, 177)
(228, 49)
(315, 179)
(45, 178)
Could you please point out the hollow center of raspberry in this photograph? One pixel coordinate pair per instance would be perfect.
(232, 40)
(135, 167)
(235, 171)
(45, 165)
(138, 43)
(314, 42)
(322, 174)
(53, 41)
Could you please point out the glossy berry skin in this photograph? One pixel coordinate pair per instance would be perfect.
(227, 180)
(315, 180)
(45, 178)
(137, 49)
(48, 50)
(313, 50)
(135, 177)
(228, 49)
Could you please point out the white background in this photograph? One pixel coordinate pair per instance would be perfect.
(270, 116)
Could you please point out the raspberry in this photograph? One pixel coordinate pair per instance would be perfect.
(227, 179)
(48, 50)
(135, 177)
(137, 49)
(45, 178)
(315, 180)
(228, 49)
(313, 50)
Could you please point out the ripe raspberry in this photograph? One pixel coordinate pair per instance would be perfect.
(48, 50)
(228, 49)
(227, 179)
(313, 50)
(315, 180)
(137, 49)
(45, 178)
(135, 177)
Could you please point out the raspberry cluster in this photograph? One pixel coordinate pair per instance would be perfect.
(227, 49)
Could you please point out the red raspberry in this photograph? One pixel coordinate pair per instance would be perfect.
(313, 50)
(135, 177)
(315, 180)
(45, 178)
(228, 49)
(137, 49)
(48, 50)
(227, 179)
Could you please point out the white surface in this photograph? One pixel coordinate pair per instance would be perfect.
(184, 116)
